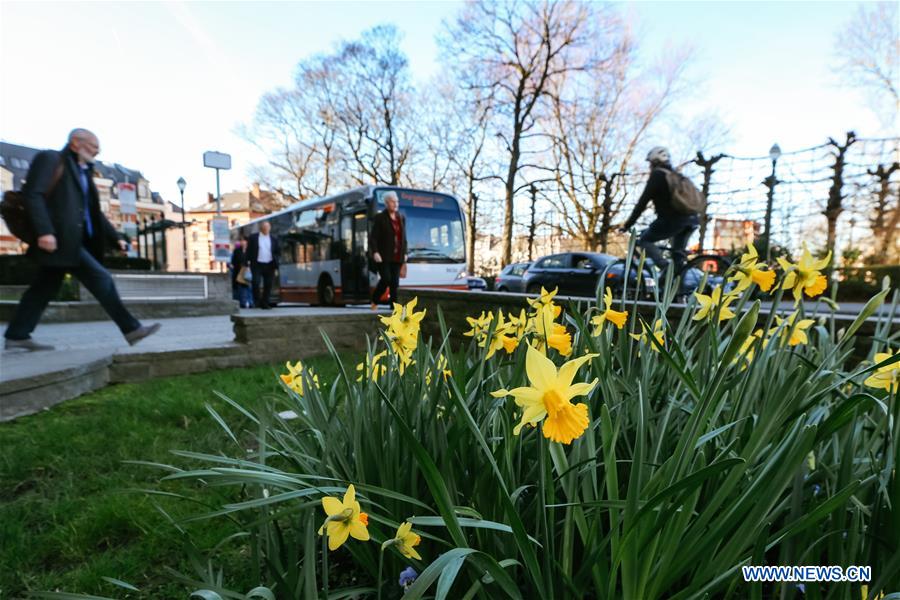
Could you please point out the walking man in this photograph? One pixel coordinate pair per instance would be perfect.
(262, 256)
(72, 235)
(669, 223)
(388, 245)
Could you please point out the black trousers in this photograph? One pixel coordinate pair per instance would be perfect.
(678, 229)
(263, 273)
(46, 284)
(389, 273)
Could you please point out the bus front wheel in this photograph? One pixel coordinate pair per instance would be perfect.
(326, 292)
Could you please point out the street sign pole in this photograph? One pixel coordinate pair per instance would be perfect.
(218, 195)
(221, 239)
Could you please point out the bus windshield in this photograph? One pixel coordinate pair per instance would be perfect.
(434, 230)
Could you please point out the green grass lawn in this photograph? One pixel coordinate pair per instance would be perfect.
(67, 518)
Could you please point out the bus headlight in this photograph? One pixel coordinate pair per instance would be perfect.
(462, 274)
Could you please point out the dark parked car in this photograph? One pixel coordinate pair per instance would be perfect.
(477, 283)
(572, 273)
(511, 278)
(615, 276)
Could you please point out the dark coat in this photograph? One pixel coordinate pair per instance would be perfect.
(382, 238)
(657, 191)
(238, 261)
(253, 248)
(62, 213)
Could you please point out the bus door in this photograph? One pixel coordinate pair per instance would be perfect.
(354, 261)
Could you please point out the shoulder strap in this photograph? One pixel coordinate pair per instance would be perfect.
(57, 176)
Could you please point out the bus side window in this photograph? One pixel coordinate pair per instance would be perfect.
(361, 231)
(347, 234)
(287, 252)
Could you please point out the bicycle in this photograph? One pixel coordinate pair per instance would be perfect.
(711, 266)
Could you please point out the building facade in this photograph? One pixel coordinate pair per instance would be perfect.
(125, 196)
(238, 208)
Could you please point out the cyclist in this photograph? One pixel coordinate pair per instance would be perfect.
(669, 224)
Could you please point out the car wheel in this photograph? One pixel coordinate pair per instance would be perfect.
(533, 288)
(502, 288)
(326, 292)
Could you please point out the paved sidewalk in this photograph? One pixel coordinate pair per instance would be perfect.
(83, 343)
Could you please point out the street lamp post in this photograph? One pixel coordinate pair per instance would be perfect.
(770, 182)
(181, 185)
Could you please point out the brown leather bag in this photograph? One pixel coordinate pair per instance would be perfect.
(15, 212)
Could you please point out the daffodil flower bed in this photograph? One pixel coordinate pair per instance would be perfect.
(560, 454)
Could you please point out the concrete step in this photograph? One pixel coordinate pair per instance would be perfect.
(71, 312)
(30, 394)
(28, 385)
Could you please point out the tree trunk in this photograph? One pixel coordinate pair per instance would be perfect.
(835, 194)
(473, 216)
(509, 207)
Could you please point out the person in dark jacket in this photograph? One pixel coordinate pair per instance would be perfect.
(669, 223)
(72, 235)
(262, 256)
(240, 291)
(388, 246)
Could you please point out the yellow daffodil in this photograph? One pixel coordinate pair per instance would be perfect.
(344, 519)
(406, 541)
(500, 338)
(403, 331)
(616, 317)
(708, 305)
(659, 333)
(549, 334)
(372, 368)
(805, 276)
(749, 271)
(519, 325)
(747, 351)
(885, 378)
(479, 326)
(548, 399)
(294, 377)
(442, 366)
(545, 299)
(794, 332)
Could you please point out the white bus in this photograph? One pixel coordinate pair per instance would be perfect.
(325, 244)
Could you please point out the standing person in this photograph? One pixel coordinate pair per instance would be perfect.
(388, 245)
(669, 223)
(240, 291)
(262, 256)
(72, 233)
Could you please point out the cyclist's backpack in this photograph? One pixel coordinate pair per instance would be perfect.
(686, 198)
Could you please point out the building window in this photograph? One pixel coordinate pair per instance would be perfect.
(196, 255)
(195, 237)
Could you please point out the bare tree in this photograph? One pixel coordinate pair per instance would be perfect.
(869, 56)
(885, 220)
(297, 135)
(347, 119)
(595, 132)
(514, 52)
(373, 108)
(835, 204)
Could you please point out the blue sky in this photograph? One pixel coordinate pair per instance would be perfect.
(163, 82)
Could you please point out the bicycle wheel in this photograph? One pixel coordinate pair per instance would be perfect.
(637, 288)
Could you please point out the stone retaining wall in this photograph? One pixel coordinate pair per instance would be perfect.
(455, 306)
